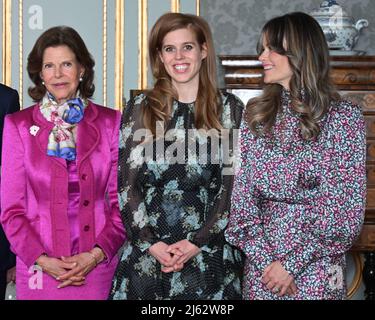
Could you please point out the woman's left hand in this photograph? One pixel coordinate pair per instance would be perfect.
(86, 262)
(278, 280)
(187, 249)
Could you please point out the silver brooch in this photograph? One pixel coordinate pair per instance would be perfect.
(34, 130)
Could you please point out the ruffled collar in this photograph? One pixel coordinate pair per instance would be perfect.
(286, 96)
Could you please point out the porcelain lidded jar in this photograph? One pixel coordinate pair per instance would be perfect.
(339, 28)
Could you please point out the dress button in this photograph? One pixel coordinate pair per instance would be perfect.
(86, 203)
(86, 228)
(84, 176)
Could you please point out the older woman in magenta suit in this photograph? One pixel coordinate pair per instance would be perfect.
(59, 177)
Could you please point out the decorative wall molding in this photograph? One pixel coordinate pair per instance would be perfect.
(20, 50)
(175, 5)
(142, 43)
(104, 52)
(110, 79)
(119, 55)
(7, 43)
(7, 47)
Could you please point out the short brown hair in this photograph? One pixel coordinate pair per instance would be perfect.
(60, 36)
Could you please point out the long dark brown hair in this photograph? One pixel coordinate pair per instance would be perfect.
(299, 37)
(60, 36)
(160, 99)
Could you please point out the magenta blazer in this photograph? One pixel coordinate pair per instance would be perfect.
(34, 189)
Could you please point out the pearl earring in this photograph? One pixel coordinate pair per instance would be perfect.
(43, 83)
(80, 78)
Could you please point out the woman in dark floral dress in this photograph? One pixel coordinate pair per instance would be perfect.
(175, 181)
(298, 198)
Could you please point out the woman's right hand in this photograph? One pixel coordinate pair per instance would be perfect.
(56, 267)
(166, 259)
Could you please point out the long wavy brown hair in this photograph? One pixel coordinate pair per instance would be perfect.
(208, 104)
(299, 37)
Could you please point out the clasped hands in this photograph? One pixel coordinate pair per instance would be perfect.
(173, 257)
(278, 280)
(71, 271)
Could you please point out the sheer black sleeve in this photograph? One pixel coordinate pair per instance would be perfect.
(133, 138)
(219, 205)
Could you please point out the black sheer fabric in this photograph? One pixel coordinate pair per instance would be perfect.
(165, 201)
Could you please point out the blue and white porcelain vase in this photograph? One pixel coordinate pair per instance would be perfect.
(339, 28)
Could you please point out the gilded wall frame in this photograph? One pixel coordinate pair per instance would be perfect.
(119, 51)
(7, 43)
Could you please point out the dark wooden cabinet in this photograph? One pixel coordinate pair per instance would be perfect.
(354, 76)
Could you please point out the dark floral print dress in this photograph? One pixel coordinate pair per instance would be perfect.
(166, 200)
(300, 202)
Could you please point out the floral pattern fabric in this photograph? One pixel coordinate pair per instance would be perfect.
(165, 201)
(65, 117)
(300, 202)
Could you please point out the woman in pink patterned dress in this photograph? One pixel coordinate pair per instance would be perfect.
(299, 195)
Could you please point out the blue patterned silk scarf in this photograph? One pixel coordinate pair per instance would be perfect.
(62, 138)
